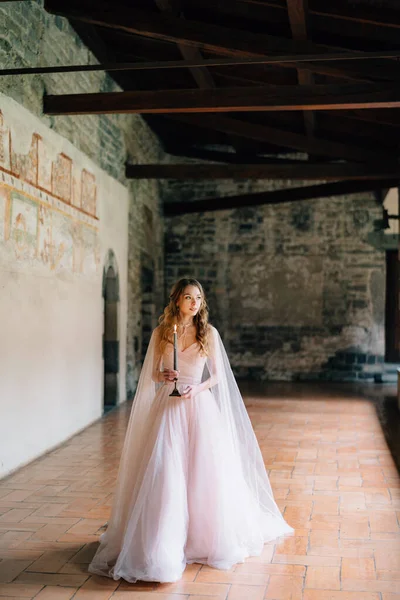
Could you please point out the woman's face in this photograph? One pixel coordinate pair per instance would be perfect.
(190, 301)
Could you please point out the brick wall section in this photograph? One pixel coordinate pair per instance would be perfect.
(296, 290)
(31, 37)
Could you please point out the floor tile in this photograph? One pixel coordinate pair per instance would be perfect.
(323, 578)
(285, 587)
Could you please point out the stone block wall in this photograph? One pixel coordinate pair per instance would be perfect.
(296, 290)
(31, 37)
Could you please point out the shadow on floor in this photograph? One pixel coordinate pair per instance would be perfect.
(389, 417)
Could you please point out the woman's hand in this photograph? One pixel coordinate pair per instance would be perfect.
(190, 392)
(169, 375)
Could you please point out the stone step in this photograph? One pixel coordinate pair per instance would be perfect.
(388, 374)
(383, 378)
(391, 368)
(389, 377)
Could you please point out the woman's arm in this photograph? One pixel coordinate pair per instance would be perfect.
(212, 380)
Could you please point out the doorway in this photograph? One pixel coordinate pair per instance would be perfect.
(392, 321)
(148, 306)
(111, 332)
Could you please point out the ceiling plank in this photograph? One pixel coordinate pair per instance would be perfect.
(266, 98)
(325, 190)
(213, 38)
(301, 170)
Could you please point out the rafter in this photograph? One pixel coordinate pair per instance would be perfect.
(297, 11)
(201, 75)
(301, 170)
(339, 10)
(389, 117)
(342, 11)
(213, 38)
(266, 98)
(219, 156)
(198, 63)
(327, 191)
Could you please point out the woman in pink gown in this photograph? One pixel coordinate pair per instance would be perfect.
(192, 485)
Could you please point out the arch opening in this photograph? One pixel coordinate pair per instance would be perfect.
(111, 332)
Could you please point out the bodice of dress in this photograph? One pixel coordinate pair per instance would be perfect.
(190, 363)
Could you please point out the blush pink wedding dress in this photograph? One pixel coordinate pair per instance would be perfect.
(190, 486)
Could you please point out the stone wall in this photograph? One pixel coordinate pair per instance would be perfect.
(31, 37)
(297, 290)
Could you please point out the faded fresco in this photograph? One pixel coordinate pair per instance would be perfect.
(48, 208)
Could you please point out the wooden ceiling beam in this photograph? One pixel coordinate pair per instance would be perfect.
(341, 10)
(201, 75)
(359, 14)
(325, 190)
(297, 11)
(101, 49)
(382, 117)
(333, 124)
(262, 99)
(346, 33)
(212, 38)
(221, 156)
(282, 137)
(302, 171)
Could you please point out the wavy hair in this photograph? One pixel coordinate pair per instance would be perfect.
(170, 317)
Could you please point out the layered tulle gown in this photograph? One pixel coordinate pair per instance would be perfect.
(191, 485)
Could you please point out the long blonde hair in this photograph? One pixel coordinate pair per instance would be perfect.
(171, 315)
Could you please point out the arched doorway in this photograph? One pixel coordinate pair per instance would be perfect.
(111, 331)
(148, 307)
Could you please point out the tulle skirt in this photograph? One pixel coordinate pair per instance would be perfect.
(192, 502)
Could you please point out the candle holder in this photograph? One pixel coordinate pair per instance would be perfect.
(175, 391)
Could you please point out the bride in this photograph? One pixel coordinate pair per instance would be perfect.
(192, 485)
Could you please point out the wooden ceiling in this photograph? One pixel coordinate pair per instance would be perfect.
(324, 81)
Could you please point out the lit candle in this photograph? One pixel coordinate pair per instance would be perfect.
(175, 349)
(175, 391)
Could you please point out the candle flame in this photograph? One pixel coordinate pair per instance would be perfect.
(174, 328)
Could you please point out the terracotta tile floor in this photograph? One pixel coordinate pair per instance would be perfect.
(332, 473)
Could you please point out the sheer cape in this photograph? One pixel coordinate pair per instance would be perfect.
(240, 435)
